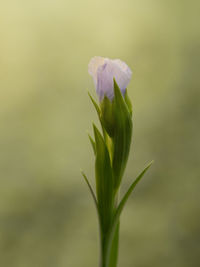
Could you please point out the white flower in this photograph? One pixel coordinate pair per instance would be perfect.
(103, 70)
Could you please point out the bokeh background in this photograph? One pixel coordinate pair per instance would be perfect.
(47, 217)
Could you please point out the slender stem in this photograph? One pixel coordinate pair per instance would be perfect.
(109, 249)
(109, 244)
(104, 252)
(113, 257)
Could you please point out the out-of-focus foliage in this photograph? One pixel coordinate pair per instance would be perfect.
(47, 217)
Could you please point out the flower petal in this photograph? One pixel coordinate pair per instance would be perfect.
(93, 65)
(122, 74)
(103, 70)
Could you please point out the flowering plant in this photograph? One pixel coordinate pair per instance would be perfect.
(111, 150)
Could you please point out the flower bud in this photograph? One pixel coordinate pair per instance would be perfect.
(104, 70)
(111, 78)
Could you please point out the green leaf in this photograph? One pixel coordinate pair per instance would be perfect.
(107, 116)
(120, 207)
(91, 190)
(126, 196)
(94, 198)
(104, 180)
(95, 105)
(128, 102)
(92, 143)
(122, 135)
(99, 115)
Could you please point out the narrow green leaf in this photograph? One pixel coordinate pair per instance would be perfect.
(107, 116)
(120, 207)
(126, 196)
(119, 99)
(95, 104)
(122, 135)
(92, 143)
(95, 200)
(104, 180)
(128, 102)
(99, 115)
(91, 190)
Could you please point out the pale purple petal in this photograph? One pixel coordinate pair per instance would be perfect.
(122, 74)
(103, 70)
(93, 65)
(123, 66)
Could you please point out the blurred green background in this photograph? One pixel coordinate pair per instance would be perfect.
(47, 217)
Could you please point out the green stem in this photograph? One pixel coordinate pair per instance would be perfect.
(114, 246)
(110, 244)
(113, 257)
(109, 249)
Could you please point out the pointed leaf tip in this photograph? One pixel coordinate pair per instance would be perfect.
(117, 91)
(133, 185)
(98, 137)
(95, 104)
(92, 143)
(123, 202)
(90, 188)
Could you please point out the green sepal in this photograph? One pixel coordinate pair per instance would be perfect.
(128, 102)
(107, 116)
(95, 104)
(104, 181)
(99, 114)
(122, 135)
(92, 143)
